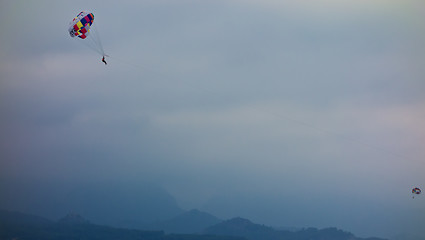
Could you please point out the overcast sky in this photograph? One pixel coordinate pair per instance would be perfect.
(286, 112)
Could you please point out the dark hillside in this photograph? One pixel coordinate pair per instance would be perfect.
(245, 228)
(14, 225)
(193, 221)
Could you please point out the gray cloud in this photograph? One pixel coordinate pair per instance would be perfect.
(287, 113)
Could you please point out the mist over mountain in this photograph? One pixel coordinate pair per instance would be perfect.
(138, 206)
(285, 112)
(18, 218)
(115, 204)
(143, 206)
(15, 225)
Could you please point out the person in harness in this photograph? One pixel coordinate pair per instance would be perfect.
(103, 60)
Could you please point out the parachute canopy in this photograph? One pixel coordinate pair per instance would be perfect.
(80, 25)
(416, 191)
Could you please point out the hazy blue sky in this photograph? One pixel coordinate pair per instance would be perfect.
(289, 113)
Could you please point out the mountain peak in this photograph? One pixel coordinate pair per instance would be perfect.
(195, 212)
(239, 227)
(239, 221)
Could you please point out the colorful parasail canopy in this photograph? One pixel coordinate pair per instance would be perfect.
(80, 25)
(416, 190)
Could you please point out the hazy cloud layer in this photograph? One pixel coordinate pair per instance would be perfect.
(287, 113)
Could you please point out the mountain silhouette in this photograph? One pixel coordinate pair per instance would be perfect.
(73, 219)
(244, 228)
(118, 204)
(15, 225)
(193, 221)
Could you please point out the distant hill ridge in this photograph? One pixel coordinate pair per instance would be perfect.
(121, 204)
(251, 231)
(73, 218)
(15, 225)
(193, 221)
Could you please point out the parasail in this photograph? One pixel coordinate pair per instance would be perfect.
(83, 28)
(416, 191)
(80, 25)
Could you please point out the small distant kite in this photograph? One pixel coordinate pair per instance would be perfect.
(416, 191)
